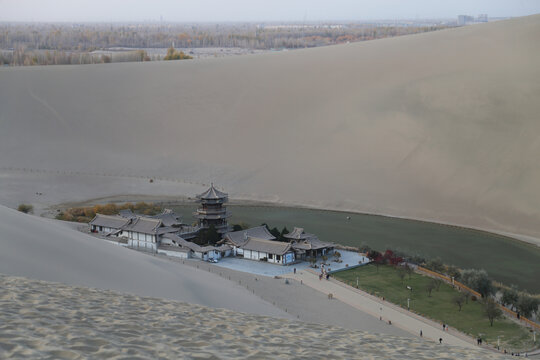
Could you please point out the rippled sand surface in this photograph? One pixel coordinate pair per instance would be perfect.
(48, 320)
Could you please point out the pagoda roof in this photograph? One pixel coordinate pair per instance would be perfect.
(298, 234)
(212, 194)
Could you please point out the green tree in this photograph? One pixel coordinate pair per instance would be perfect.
(510, 297)
(527, 305)
(492, 311)
(478, 280)
(275, 233)
(284, 232)
(459, 300)
(209, 236)
(453, 272)
(429, 287)
(435, 265)
(401, 272)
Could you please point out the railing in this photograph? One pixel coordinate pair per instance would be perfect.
(477, 294)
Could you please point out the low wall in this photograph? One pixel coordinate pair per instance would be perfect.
(346, 268)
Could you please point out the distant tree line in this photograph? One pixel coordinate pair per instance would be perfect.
(48, 44)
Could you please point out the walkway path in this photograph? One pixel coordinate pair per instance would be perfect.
(399, 317)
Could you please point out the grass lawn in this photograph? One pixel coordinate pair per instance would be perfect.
(471, 320)
(506, 260)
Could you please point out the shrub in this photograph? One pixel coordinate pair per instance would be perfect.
(26, 208)
(478, 280)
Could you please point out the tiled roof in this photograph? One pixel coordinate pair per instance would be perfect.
(144, 225)
(194, 247)
(168, 217)
(112, 221)
(212, 194)
(240, 237)
(297, 234)
(312, 243)
(266, 246)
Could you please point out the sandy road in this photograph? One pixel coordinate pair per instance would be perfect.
(399, 317)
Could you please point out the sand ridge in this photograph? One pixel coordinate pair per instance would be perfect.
(50, 320)
(49, 250)
(437, 126)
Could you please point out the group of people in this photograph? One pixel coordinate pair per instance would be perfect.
(324, 273)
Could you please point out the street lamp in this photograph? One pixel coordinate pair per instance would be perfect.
(408, 305)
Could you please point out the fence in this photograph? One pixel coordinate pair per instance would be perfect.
(477, 294)
(449, 280)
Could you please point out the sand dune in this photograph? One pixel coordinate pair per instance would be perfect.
(440, 126)
(47, 320)
(47, 250)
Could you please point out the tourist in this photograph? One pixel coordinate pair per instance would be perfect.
(421, 333)
(440, 340)
(295, 270)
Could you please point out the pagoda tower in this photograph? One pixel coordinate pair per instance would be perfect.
(212, 211)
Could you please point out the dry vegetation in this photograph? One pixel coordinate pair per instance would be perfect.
(53, 44)
(85, 214)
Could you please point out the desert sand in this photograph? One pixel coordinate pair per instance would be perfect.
(51, 250)
(45, 249)
(439, 126)
(49, 320)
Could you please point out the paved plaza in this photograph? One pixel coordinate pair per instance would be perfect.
(348, 258)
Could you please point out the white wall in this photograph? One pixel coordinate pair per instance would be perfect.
(178, 254)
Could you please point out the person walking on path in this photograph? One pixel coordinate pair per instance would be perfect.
(421, 333)
(440, 340)
(295, 270)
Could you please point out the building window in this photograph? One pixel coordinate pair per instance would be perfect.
(278, 257)
(270, 256)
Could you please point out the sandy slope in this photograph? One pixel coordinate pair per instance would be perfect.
(47, 250)
(46, 320)
(441, 126)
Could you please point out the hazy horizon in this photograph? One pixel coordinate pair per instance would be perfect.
(244, 10)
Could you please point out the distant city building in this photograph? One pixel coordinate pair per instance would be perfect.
(465, 19)
(482, 18)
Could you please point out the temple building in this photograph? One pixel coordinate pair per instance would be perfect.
(165, 233)
(308, 245)
(258, 244)
(212, 211)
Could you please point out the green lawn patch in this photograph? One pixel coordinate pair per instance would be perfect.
(385, 282)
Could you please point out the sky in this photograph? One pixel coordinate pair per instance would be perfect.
(256, 10)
